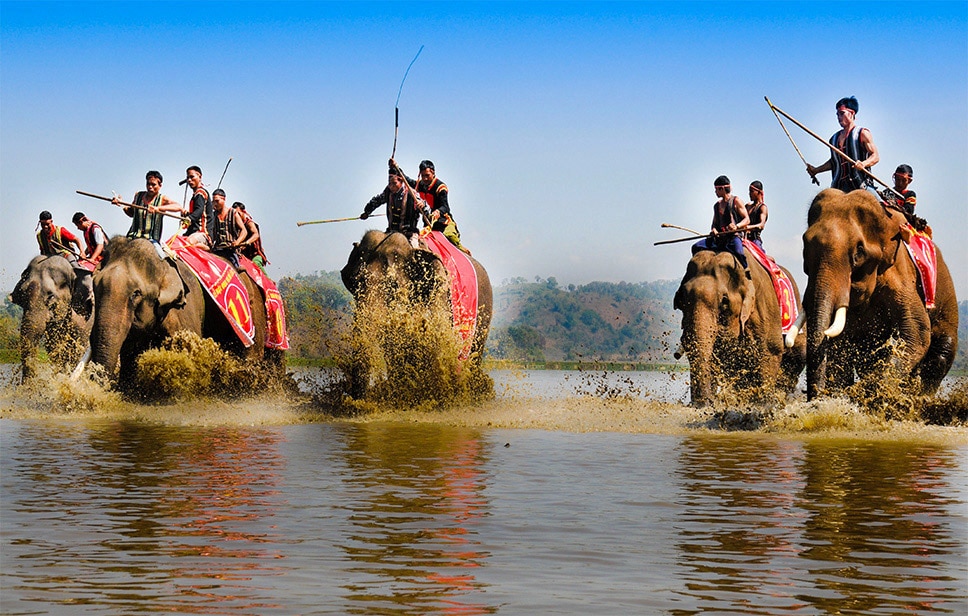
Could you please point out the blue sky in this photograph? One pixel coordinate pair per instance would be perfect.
(567, 132)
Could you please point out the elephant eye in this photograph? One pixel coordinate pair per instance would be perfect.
(858, 256)
(136, 294)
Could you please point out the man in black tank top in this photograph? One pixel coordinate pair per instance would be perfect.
(729, 218)
(757, 212)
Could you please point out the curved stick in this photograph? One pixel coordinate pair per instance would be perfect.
(666, 225)
(223, 174)
(836, 149)
(124, 204)
(790, 137)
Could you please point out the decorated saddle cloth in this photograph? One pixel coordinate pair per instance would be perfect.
(277, 336)
(221, 282)
(463, 286)
(921, 248)
(782, 285)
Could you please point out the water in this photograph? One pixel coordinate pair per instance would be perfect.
(543, 501)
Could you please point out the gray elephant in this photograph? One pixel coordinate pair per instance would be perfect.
(731, 329)
(57, 308)
(383, 270)
(862, 290)
(141, 299)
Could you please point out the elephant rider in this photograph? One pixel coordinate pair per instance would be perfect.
(758, 213)
(854, 141)
(252, 246)
(147, 220)
(403, 206)
(56, 240)
(199, 212)
(435, 193)
(230, 232)
(905, 200)
(729, 219)
(94, 237)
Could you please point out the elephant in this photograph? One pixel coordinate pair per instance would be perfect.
(57, 308)
(141, 299)
(862, 292)
(384, 269)
(731, 329)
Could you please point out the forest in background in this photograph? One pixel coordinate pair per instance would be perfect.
(534, 321)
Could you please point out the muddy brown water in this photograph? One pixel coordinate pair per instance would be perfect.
(569, 493)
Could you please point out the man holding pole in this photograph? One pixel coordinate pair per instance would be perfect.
(729, 220)
(403, 206)
(55, 240)
(149, 216)
(854, 141)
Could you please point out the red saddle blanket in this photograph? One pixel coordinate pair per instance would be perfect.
(921, 248)
(277, 336)
(463, 286)
(782, 285)
(222, 284)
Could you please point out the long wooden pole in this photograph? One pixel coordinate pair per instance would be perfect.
(666, 225)
(813, 178)
(694, 237)
(57, 244)
(124, 204)
(320, 222)
(834, 148)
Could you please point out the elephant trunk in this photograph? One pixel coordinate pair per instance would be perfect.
(699, 331)
(821, 301)
(33, 324)
(112, 323)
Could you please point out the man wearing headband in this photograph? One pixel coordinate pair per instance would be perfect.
(229, 229)
(854, 141)
(729, 218)
(757, 212)
(403, 209)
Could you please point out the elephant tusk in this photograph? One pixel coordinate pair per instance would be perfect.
(840, 319)
(76, 373)
(679, 352)
(791, 337)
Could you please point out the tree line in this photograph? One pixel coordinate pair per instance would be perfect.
(534, 321)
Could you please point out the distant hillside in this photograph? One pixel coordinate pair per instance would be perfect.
(533, 321)
(606, 321)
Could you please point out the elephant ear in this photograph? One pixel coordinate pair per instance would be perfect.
(350, 274)
(171, 293)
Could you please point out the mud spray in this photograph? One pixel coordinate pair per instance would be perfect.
(403, 355)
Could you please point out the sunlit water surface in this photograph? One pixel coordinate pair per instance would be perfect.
(123, 516)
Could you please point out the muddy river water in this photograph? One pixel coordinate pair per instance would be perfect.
(568, 494)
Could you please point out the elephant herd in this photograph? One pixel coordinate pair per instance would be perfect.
(862, 293)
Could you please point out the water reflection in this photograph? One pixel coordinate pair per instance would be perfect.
(879, 536)
(772, 526)
(144, 517)
(416, 495)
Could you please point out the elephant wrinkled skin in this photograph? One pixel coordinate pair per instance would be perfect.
(731, 330)
(383, 268)
(57, 310)
(141, 299)
(858, 268)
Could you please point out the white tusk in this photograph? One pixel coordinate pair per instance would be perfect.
(840, 319)
(76, 373)
(791, 337)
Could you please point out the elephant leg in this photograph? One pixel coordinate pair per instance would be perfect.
(937, 361)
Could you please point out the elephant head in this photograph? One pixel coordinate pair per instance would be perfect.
(54, 304)
(139, 299)
(381, 264)
(861, 288)
(716, 301)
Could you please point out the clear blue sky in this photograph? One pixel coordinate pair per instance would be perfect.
(567, 132)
